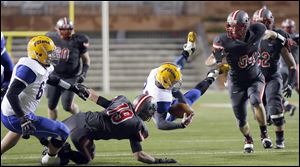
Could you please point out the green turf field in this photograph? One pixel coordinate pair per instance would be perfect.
(212, 139)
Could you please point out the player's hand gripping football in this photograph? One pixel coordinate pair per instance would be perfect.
(186, 120)
(27, 126)
(164, 161)
(80, 90)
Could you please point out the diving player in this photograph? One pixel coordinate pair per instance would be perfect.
(163, 84)
(121, 119)
(29, 78)
(72, 48)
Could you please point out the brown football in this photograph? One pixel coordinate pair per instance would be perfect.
(179, 109)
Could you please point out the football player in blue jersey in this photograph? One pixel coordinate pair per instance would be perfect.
(29, 78)
(7, 66)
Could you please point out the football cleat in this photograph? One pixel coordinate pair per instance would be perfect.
(267, 143)
(45, 151)
(280, 144)
(248, 147)
(49, 160)
(290, 109)
(190, 46)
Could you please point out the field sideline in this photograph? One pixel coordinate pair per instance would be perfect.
(212, 139)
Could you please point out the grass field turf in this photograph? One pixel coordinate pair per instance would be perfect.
(212, 139)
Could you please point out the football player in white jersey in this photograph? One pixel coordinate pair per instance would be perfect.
(29, 78)
(163, 84)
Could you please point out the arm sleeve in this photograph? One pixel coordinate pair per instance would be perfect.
(135, 145)
(25, 74)
(162, 124)
(12, 96)
(103, 102)
(178, 94)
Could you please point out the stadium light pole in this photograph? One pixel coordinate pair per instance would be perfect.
(105, 43)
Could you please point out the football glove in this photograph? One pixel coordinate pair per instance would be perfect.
(27, 126)
(287, 91)
(164, 161)
(80, 90)
(186, 120)
(81, 77)
(190, 47)
(218, 54)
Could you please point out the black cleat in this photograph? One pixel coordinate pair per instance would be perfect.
(280, 144)
(267, 143)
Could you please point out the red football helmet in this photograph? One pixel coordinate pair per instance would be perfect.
(264, 16)
(237, 24)
(288, 25)
(64, 27)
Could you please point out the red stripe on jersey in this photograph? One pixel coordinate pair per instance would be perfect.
(141, 102)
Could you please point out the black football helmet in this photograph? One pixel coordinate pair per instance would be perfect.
(144, 106)
(289, 26)
(64, 27)
(264, 16)
(237, 24)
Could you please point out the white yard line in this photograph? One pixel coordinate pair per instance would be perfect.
(35, 156)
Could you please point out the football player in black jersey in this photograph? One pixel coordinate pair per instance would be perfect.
(270, 51)
(289, 26)
(72, 48)
(239, 47)
(121, 119)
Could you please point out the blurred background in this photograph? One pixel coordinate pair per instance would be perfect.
(142, 34)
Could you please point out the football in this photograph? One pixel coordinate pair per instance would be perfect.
(179, 109)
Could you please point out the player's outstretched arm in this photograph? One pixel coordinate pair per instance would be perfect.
(142, 156)
(146, 158)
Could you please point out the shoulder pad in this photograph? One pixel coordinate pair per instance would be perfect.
(80, 38)
(218, 41)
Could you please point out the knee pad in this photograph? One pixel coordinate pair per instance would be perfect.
(56, 143)
(278, 121)
(255, 100)
(67, 107)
